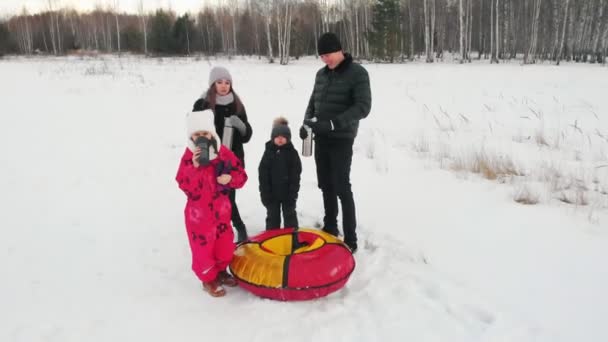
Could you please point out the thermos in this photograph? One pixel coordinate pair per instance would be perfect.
(307, 143)
(228, 132)
(204, 144)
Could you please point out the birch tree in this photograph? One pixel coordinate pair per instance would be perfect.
(429, 29)
(266, 12)
(142, 19)
(530, 56)
(116, 10)
(565, 21)
(283, 14)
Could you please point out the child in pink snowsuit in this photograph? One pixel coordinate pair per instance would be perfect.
(207, 172)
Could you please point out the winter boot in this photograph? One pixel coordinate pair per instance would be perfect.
(214, 288)
(352, 246)
(332, 231)
(227, 279)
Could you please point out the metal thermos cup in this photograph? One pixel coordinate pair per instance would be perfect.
(228, 132)
(307, 143)
(204, 144)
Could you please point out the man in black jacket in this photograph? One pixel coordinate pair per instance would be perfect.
(340, 98)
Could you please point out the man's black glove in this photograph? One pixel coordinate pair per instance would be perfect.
(319, 127)
(303, 133)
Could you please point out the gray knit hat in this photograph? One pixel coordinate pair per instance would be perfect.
(280, 128)
(219, 73)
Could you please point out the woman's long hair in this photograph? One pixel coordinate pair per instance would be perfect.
(212, 94)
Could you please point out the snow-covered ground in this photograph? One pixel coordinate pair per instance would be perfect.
(93, 243)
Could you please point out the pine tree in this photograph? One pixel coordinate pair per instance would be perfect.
(384, 38)
(183, 29)
(7, 45)
(160, 32)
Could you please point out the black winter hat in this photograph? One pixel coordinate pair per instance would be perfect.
(328, 43)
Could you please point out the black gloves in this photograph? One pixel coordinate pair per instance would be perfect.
(303, 133)
(319, 127)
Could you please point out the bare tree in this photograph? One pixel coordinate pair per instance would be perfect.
(52, 28)
(481, 47)
(605, 44)
(429, 29)
(497, 26)
(492, 51)
(561, 46)
(142, 19)
(464, 14)
(411, 22)
(469, 29)
(598, 26)
(283, 19)
(530, 56)
(266, 13)
(116, 9)
(234, 12)
(25, 36)
(556, 24)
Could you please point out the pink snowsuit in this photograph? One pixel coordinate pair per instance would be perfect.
(208, 212)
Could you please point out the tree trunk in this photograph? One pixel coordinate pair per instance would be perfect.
(531, 55)
(357, 50)
(481, 40)
(142, 16)
(52, 27)
(469, 30)
(432, 38)
(234, 14)
(59, 43)
(605, 43)
(497, 26)
(598, 27)
(461, 15)
(492, 52)
(427, 28)
(46, 47)
(555, 29)
(269, 41)
(561, 46)
(412, 36)
(117, 32)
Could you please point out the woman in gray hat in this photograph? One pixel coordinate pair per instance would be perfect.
(227, 109)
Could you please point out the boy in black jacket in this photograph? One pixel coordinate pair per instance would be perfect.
(279, 173)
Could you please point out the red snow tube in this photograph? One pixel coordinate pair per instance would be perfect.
(268, 266)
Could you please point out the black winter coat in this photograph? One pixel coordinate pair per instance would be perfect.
(279, 173)
(221, 112)
(342, 95)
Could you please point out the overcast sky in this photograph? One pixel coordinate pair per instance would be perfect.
(8, 7)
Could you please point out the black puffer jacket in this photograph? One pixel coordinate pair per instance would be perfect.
(279, 173)
(342, 95)
(221, 112)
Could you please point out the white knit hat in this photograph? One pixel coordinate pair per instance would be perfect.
(219, 73)
(200, 121)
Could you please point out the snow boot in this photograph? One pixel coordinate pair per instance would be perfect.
(214, 288)
(332, 231)
(352, 246)
(227, 279)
